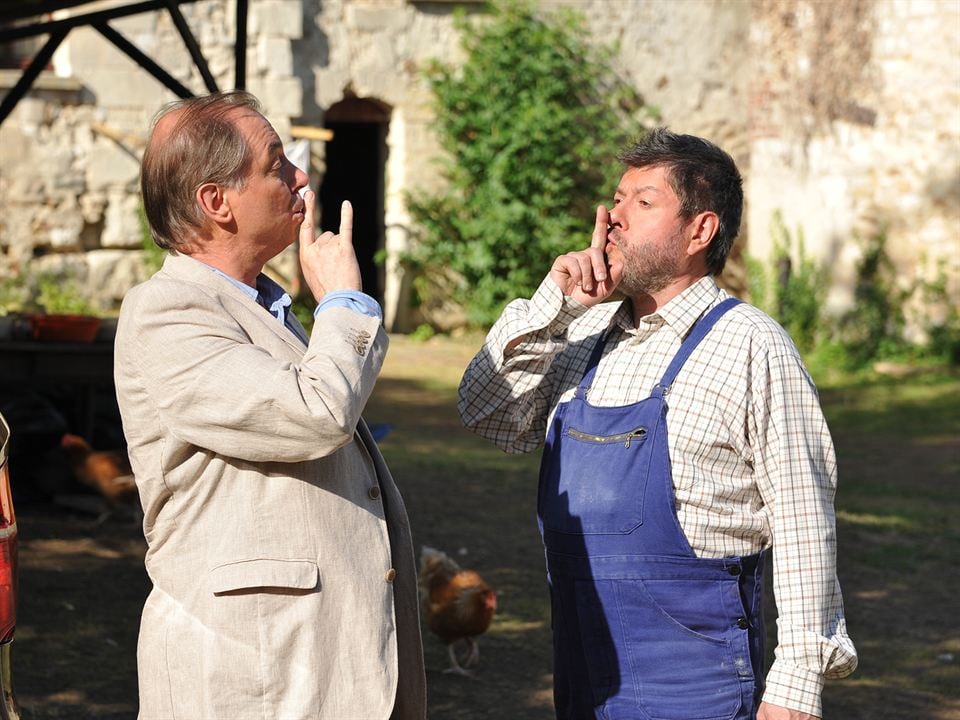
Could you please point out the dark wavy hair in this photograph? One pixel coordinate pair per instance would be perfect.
(703, 176)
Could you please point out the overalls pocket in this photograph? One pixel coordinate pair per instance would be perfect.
(596, 482)
(669, 665)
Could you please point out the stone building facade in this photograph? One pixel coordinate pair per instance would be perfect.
(730, 70)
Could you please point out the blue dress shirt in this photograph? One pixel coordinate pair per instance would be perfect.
(275, 299)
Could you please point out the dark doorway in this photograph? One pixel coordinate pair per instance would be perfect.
(355, 162)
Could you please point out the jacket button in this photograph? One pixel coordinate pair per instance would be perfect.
(734, 569)
(391, 574)
(743, 623)
(374, 492)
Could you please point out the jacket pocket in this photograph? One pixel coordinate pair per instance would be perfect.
(256, 574)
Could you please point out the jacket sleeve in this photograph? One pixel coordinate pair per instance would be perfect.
(506, 392)
(212, 387)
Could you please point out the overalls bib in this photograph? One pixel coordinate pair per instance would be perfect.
(642, 628)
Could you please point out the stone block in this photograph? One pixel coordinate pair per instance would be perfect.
(280, 96)
(372, 19)
(279, 18)
(274, 56)
(110, 273)
(92, 206)
(125, 86)
(14, 148)
(111, 166)
(122, 221)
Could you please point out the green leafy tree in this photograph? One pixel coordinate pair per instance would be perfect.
(531, 124)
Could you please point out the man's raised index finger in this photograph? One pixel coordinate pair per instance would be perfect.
(346, 221)
(599, 239)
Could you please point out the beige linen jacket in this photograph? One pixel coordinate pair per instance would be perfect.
(284, 583)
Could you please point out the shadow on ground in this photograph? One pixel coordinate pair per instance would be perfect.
(82, 587)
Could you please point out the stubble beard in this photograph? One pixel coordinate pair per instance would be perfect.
(649, 267)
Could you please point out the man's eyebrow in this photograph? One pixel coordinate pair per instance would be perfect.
(640, 189)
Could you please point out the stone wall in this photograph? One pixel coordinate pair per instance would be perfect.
(747, 74)
(858, 135)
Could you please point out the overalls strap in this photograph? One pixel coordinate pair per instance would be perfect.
(592, 365)
(700, 330)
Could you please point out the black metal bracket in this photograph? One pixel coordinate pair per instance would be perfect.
(58, 30)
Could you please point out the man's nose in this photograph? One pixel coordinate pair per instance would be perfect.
(615, 219)
(300, 179)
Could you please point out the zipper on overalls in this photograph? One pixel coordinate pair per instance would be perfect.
(625, 438)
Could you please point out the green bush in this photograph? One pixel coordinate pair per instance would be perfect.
(531, 123)
(942, 328)
(873, 328)
(793, 289)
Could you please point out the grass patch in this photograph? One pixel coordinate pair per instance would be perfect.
(898, 448)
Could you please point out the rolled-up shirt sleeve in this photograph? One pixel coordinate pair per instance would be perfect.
(351, 300)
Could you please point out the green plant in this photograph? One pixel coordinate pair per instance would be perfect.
(792, 290)
(14, 295)
(57, 295)
(423, 333)
(530, 123)
(873, 328)
(942, 330)
(303, 307)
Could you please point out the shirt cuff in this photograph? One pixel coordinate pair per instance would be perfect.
(352, 300)
(794, 688)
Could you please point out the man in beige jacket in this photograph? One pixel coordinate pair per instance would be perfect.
(284, 583)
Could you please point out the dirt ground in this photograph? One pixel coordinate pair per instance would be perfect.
(82, 586)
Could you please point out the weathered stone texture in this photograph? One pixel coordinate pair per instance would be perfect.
(877, 147)
(277, 18)
(896, 172)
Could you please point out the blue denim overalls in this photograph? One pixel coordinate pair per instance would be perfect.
(642, 628)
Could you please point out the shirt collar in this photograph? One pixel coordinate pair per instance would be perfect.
(686, 308)
(267, 293)
(680, 313)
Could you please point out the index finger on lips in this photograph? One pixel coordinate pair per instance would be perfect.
(599, 239)
(598, 243)
(346, 221)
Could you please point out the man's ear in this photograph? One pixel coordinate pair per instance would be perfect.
(214, 204)
(702, 230)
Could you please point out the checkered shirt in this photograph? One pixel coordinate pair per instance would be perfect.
(752, 458)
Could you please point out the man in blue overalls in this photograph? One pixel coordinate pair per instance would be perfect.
(683, 440)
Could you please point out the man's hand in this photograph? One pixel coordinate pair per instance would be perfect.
(585, 275)
(775, 712)
(329, 262)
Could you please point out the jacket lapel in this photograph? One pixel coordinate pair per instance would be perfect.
(184, 267)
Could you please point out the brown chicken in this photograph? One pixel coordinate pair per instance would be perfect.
(106, 471)
(458, 604)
